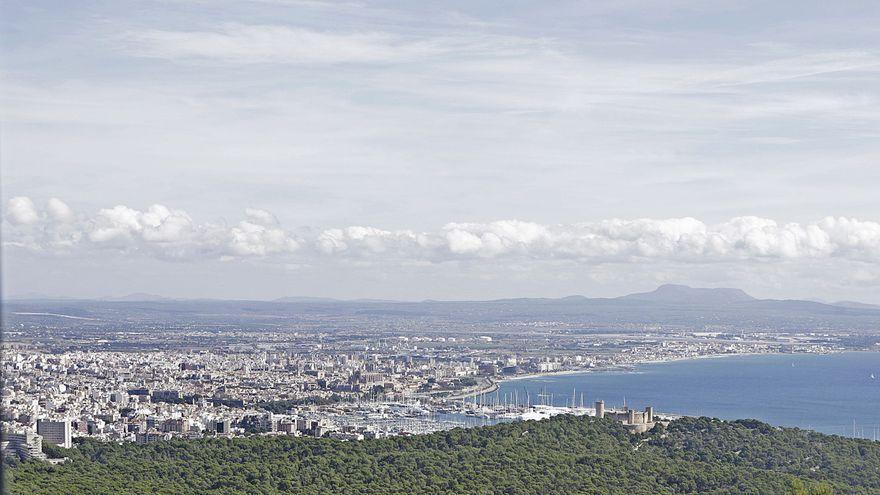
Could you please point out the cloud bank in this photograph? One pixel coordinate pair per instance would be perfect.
(167, 233)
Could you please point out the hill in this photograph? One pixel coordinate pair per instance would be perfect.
(304, 299)
(563, 455)
(682, 294)
(136, 297)
(856, 305)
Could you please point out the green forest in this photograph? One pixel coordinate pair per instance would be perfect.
(563, 455)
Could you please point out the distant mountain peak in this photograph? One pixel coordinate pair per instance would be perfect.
(574, 298)
(683, 294)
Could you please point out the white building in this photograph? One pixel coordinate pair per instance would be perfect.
(25, 444)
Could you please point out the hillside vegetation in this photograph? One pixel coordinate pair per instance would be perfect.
(563, 455)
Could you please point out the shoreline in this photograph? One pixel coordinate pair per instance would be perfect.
(623, 368)
(629, 367)
(492, 386)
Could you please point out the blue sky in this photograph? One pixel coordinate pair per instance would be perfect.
(440, 149)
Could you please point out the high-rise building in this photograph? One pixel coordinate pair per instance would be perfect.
(55, 432)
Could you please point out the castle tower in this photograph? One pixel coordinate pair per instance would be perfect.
(600, 408)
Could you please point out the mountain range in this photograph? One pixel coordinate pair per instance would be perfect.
(666, 294)
(669, 306)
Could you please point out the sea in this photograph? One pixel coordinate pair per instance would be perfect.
(837, 394)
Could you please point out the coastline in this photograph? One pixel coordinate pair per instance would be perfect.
(621, 368)
(630, 367)
(492, 386)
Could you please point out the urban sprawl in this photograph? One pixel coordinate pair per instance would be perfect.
(148, 383)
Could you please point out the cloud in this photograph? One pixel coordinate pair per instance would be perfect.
(166, 233)
(251, 239)
(370, 242)
(261, 217)
(21, 211)
(496, 238)
(249, 44)
(795, 67)
(679, 239)
(59, 211)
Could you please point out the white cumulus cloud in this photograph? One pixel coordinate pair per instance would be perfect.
(169, 233)
(20, 210)
(59, 211)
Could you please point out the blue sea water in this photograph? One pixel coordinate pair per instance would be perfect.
(826, 393)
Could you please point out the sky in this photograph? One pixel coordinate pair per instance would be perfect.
(448, 150)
